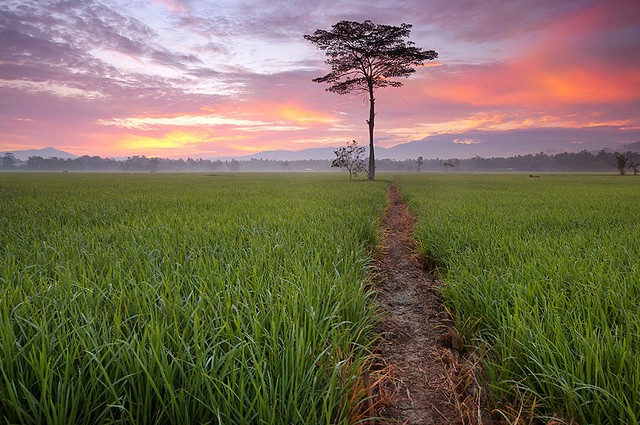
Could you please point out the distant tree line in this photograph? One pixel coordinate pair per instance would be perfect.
(584, 161)
(602, 161)
(144, 164)
(565, 162)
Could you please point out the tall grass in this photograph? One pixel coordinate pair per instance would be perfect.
(546, 274)
(183, 298)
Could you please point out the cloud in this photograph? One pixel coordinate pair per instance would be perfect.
(147, 123)
(575, 70)
(176, 6)
(465, 141)
(50, 87)
(535, 81)
(84, 38)
(97, 73)
(495, 20)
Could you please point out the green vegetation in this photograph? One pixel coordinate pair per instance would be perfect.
(545, 275)
(184, 299)
(156, 298)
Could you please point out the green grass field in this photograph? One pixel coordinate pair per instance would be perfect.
(153, 299)
(237, 298)
(543, 274)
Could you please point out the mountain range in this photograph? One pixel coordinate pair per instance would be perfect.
(485, 144)
(49, 152)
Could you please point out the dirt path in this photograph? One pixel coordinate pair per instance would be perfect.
(421, 388)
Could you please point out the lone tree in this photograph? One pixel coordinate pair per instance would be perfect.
(365, 56)
(350, 157)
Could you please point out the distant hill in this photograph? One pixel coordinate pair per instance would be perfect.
(23, 155)
(631, 147)
(286, 155)
(301, 155)
(486, 144)
(508, 143)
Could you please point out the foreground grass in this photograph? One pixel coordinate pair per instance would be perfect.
(183, 298)
(545, 274)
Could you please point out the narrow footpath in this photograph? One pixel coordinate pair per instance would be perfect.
(416, 347)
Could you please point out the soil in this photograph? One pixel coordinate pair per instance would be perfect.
(427, 382)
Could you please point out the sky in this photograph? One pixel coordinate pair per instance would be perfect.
(229, 78)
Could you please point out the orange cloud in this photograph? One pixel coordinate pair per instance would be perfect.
(300, 114)
(288, 112)
(222, 130)
(585, 86)
(562, 67)
(148, 143)
(176, 141)
(536, 83)
(250, 117)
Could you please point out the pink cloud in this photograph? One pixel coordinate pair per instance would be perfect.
(173, 5)
(557, 64)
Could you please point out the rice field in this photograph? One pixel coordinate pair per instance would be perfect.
(155, 299)
(158, 298)
(543, 276)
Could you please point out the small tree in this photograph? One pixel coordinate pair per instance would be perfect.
(448, 164)
(350, 157)
(234, 165)
(420, 162)
(8, 161)
(622, 163)
(365, 56)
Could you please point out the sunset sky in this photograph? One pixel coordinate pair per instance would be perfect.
(224, 78)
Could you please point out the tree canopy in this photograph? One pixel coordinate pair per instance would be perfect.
(364, 56)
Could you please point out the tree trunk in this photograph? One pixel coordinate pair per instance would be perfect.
(370, 121)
